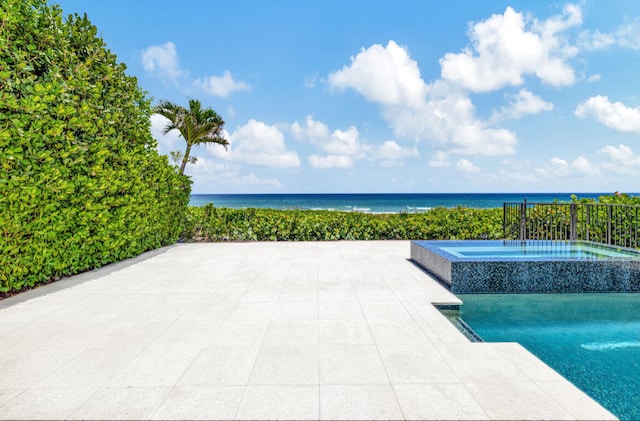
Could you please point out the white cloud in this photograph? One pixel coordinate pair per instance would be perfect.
(582, 166)
(208, 172)
(628, 36)
(256, 143)
(221, 86)
(341, 147)
(392, 150)
(594, 78)
(252, 179)
(467, 166)
(506, 47)
(330, 161)
(344, 142)
(391, 154)
(162, 61)
(558, 166)
(438, 113)
(621, 159)
(615, 115)
(386, 75)
(625, 36)
(439, 159)
(313, 131)
(520, 105)
(562, 168)
(595, 40)
(449, 123)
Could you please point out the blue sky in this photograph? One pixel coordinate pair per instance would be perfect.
(324, 96)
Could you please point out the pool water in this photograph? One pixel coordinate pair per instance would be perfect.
(593, 340)
(538, 249)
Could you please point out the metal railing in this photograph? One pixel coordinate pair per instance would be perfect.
(603, 223)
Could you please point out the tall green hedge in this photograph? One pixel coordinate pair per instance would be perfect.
(81, 182)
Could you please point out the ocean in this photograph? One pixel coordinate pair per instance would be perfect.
(378, 203)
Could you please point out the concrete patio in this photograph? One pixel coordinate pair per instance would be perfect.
(319, 330)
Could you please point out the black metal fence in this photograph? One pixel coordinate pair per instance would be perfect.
(603, 223)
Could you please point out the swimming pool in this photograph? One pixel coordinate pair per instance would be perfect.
(593, 340)
(490, 266)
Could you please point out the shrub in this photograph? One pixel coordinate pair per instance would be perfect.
(81, 182)
(209, 223)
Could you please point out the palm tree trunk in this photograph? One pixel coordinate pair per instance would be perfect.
(185, 159)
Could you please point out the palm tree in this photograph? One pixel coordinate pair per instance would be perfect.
(196, 126)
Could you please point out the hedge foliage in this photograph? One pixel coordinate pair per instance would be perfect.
(209, 223)
(81, 182)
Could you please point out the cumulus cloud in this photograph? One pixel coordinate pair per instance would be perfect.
(330, 161)
(509, 46)
(562, 168)
(221, 86)
(344, 142)
(438, 113)
(314, 131)
(162, 61)
(621, 159)
(340, 147)
(467, 166)
(520, 105)
(504, 49)
(386, 75)
(391, 154)
(392, 150)
(257, 143)
(615, 115)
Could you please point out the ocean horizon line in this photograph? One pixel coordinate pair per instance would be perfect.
(412, 193)
(377, 202)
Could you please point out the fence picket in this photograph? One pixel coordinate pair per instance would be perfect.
(599, 222)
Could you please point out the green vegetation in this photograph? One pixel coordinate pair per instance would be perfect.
(209, 223)
(613, 199)
(197, 126)
(81, 182)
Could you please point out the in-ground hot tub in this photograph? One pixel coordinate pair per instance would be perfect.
(489, 266)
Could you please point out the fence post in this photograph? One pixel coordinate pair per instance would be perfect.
(608, 224)
(573, 222)
(523, 221)
(504, 220)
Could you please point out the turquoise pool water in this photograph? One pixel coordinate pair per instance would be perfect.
(537, 250)
(593, 340)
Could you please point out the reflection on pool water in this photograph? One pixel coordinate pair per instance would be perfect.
(593, 340)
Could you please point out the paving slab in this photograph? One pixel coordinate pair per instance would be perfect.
(300, 330)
